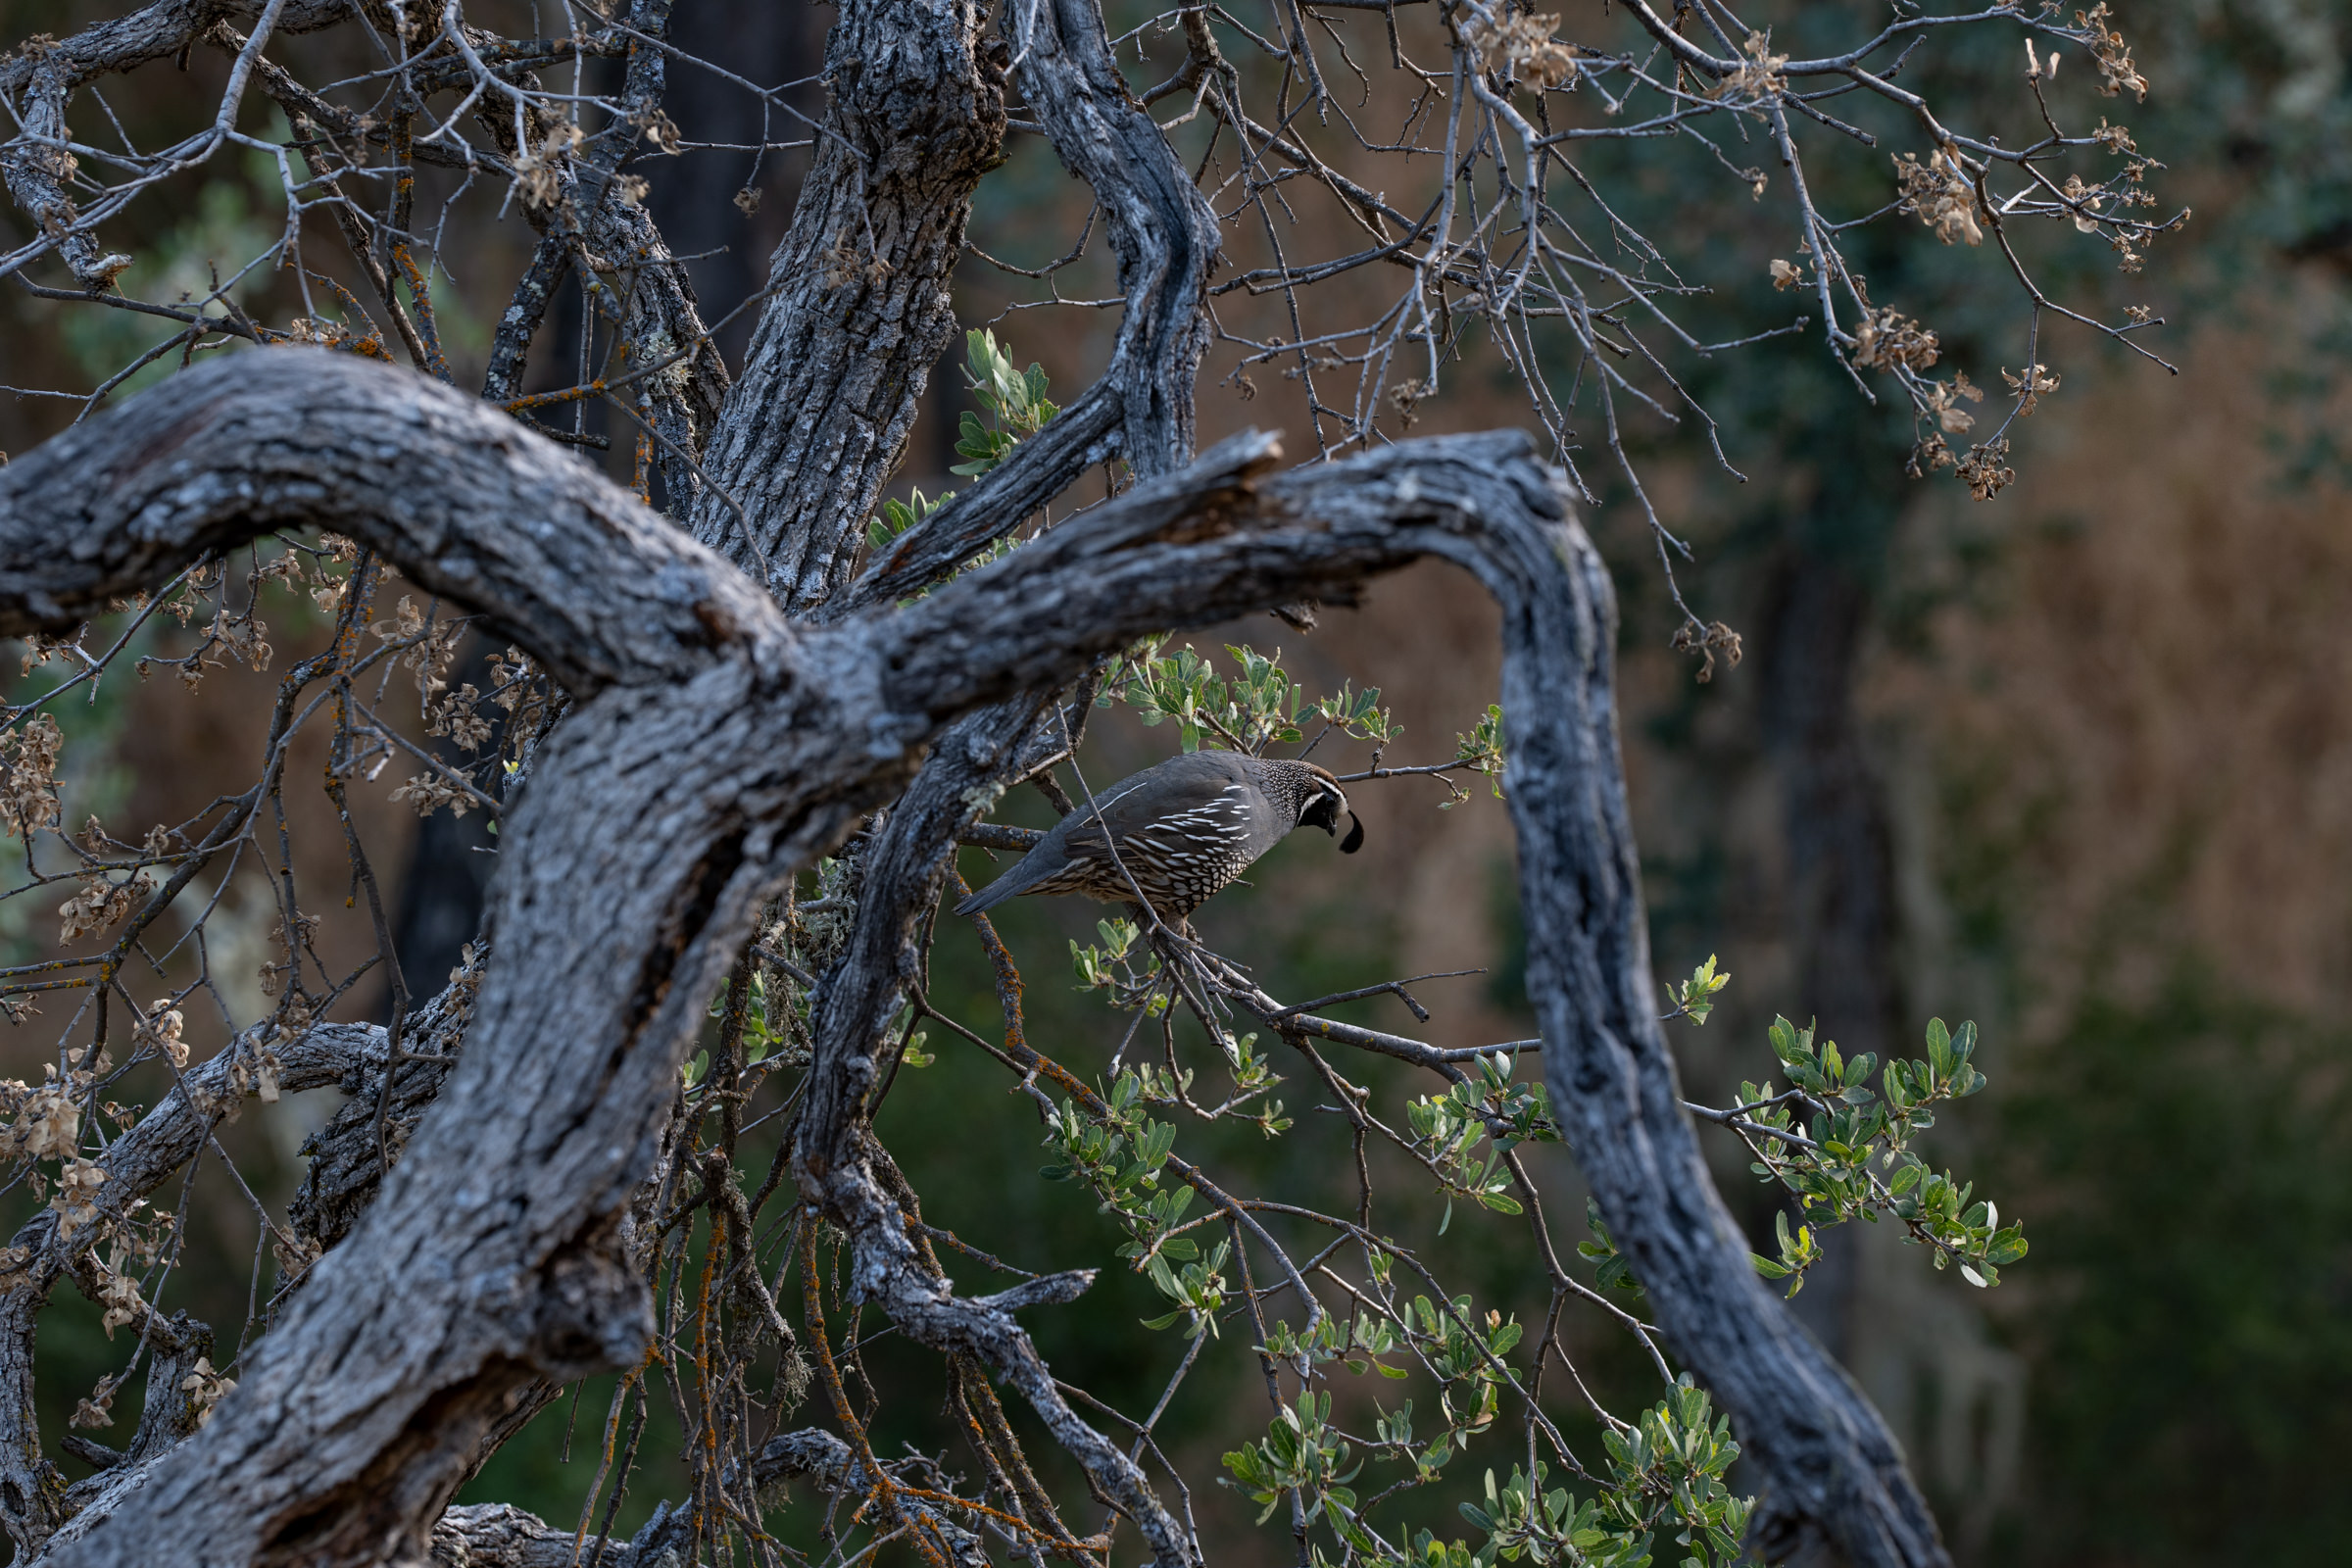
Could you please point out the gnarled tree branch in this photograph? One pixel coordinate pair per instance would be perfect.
(714, 751)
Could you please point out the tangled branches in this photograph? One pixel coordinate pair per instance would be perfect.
(729, 752)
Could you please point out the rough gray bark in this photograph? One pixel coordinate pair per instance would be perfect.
(861, 308)
(420, 473)
(1166, 241)
(861, 311)
(1834, 1477)
(346, 1161)
(715, 749)
(1161, 226)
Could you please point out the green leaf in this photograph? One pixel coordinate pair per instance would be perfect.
(1939, 1048)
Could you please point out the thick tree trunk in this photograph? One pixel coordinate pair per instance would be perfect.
(861, 308)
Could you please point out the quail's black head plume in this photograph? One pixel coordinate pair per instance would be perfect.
(1181, 829)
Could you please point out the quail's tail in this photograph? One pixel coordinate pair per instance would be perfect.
(1011, 884)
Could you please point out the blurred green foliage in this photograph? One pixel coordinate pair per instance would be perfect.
(2190, 1326)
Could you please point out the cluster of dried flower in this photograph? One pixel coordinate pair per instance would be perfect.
(205, 1388)
(1941, 195)
(1757, 77)
(99, 906)
(1715, 638)
(44, 1121)
(1984, 469)
(1889, 340)
(2117, 75)
(162, 1027)
(1520, 47)
(2029, 387)
(29, 756)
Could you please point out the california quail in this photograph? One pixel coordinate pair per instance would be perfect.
(1182, 829)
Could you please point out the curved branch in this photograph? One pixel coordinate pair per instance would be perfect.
(1160, 226)
(1832, 1469)
(600, 588)
(832, 1155)
(703, 769)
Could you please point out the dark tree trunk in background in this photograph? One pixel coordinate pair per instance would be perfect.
(694, 199)
(441, 902)
(450, 863)
(1840, 869)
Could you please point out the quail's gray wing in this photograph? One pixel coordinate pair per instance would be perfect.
(1181, 829)
(1193, 795)
(1191, 831)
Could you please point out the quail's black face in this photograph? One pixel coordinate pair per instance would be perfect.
(1324, 810)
